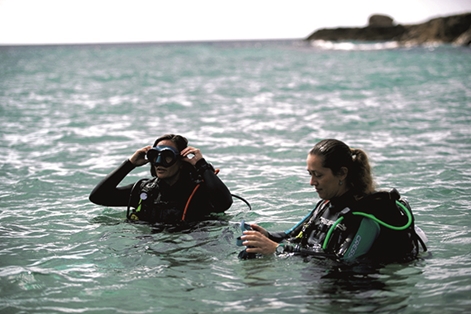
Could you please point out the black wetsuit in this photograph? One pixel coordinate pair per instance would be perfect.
(164, 203)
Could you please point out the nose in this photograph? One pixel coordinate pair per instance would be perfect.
(158, 160)
(313, 181)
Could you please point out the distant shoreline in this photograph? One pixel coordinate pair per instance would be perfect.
(454, 29)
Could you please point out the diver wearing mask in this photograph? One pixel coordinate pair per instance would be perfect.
(183, 187)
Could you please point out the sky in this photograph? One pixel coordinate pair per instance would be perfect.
(25, 22)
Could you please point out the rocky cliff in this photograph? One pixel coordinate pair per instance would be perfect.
(455, 29)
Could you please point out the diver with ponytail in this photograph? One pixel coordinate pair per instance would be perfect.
(351, 222)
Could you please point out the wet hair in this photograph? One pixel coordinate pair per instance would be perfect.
(336, 154)
(180, 142)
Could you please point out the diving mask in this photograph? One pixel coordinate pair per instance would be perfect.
(161, 155)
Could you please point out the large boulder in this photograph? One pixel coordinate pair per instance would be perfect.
(379, 20)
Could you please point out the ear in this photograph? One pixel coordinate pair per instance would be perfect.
(343, 173)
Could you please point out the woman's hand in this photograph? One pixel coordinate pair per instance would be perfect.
(139, 157)
(191, 155)
(257, 241)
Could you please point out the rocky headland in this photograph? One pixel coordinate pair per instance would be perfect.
(454, 29)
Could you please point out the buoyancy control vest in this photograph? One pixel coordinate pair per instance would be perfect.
(313, 232)
(397, 240)
(153, 207)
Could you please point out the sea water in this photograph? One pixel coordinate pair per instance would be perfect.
(72, 114)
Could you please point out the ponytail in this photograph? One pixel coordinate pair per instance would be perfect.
(359, 175)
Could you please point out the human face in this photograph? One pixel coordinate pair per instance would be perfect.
(163, 155)
(326, 183)
(169, 174)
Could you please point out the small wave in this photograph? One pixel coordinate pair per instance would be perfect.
(353, 46)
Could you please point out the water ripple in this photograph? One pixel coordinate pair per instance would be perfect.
(70, 115)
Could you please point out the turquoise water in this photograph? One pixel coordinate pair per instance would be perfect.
(71, 114)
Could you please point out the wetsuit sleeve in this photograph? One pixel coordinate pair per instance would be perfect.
(277, 236)
(363, 240)
(108, 193)
(290, 233)
(219, 195)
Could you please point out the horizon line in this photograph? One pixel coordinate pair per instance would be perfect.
(117, 43)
